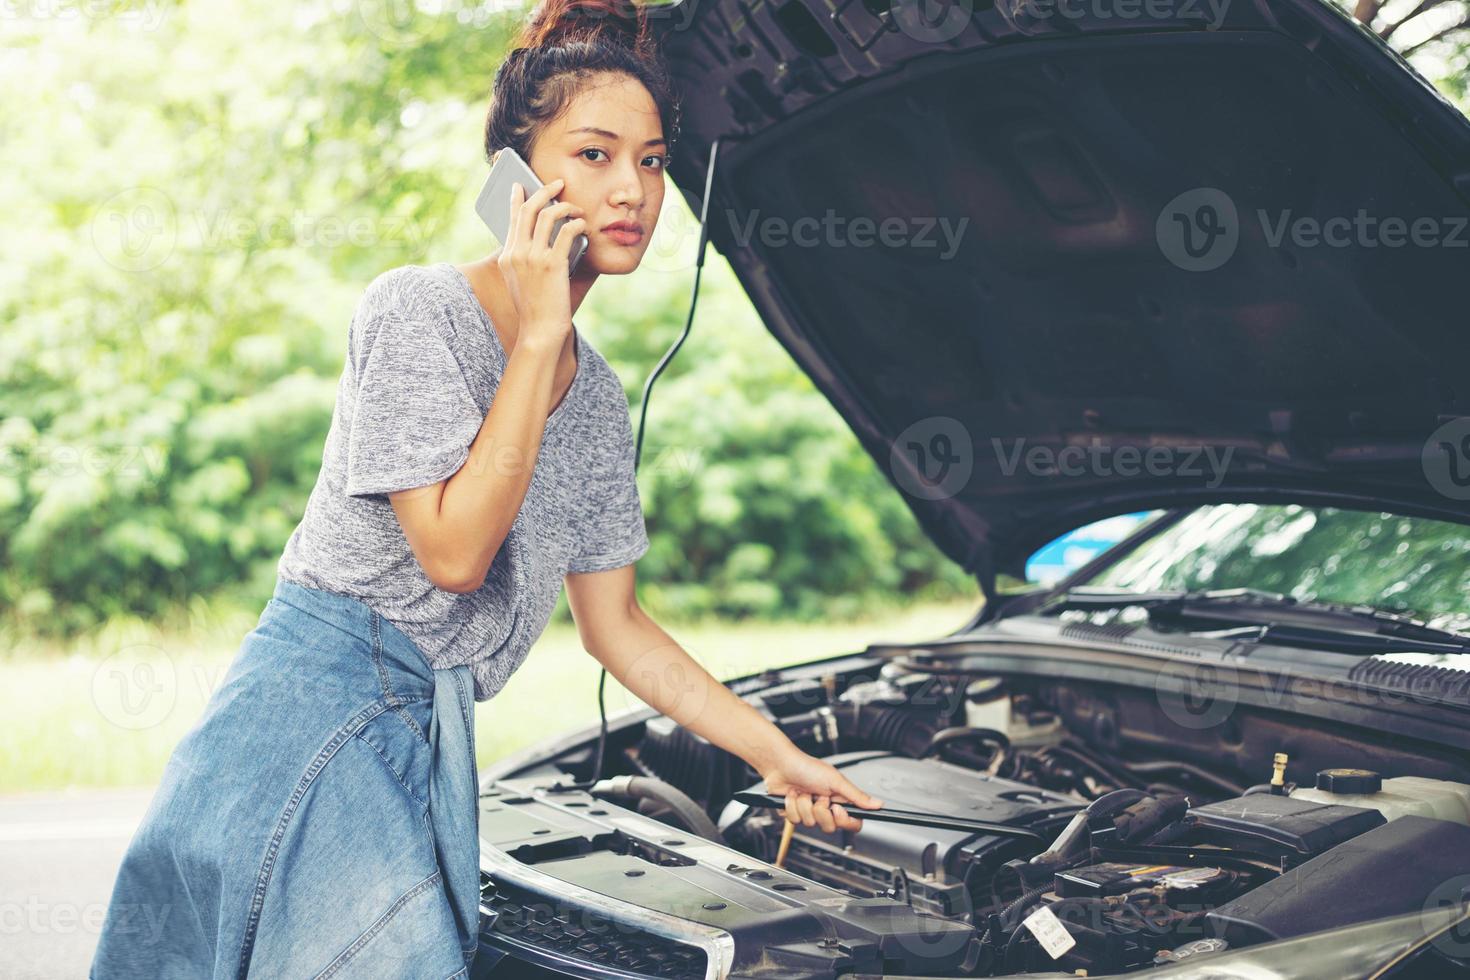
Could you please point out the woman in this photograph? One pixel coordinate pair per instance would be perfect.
(321, 818)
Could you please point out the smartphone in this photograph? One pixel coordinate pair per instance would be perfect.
(493, 204)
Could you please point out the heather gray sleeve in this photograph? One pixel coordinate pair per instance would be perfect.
(413, 416)
(617, 536)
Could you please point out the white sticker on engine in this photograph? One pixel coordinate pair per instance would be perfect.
(1049, 932)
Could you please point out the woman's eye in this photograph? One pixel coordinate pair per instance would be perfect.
(658, 161)
(591, 149)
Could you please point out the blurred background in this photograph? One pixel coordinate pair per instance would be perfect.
(194, 197)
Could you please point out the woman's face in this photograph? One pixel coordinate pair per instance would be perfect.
(609, 148)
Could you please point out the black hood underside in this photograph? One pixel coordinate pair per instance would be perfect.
(1049, 309)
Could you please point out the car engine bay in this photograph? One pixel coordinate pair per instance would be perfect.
(1135, 843)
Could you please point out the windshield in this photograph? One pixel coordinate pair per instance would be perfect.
(1408, 565)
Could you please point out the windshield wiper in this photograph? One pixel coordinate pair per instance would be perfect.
(1281, 618)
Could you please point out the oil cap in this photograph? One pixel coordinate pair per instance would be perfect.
(1349, 781)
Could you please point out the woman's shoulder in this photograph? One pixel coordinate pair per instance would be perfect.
(410, 290)
(431, 304)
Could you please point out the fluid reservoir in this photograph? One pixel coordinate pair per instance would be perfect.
(1394, 798)
(988, 704)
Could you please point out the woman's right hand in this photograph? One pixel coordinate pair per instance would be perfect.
(534, 265)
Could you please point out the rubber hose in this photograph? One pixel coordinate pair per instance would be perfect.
(1004, 915)
(964, 733)
(1110, 804)
(688, 812)
(1021, 904)
(1226, 786)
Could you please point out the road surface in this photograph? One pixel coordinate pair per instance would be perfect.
(59, 854)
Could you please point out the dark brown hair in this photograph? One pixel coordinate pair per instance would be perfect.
(563, 44)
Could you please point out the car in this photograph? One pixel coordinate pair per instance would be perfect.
(1166, 303)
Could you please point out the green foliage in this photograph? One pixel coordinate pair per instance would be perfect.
(759, 500)
(195, 198)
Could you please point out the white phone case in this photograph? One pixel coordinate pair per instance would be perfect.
(493, 204)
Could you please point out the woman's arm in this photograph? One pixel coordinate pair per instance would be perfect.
(456, 526)
(648, 662)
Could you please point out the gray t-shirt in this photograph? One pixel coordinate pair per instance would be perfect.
(422, 366)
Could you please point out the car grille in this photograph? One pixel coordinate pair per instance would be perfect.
(559, 931)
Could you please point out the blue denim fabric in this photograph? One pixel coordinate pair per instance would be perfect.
(319, 821)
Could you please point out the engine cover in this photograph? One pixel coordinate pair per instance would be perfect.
(947, 872)
(586, 887)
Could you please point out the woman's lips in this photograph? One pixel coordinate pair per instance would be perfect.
(623, 236)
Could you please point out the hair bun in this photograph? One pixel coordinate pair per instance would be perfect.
(559, 21)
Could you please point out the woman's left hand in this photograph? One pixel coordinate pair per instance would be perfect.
(814, 792)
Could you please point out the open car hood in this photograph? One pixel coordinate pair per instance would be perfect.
(1069, 311)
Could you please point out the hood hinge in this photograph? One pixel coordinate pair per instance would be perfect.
(981, 563)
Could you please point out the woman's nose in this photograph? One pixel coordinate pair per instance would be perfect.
(629, 189)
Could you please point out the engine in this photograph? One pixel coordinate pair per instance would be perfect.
(945, 872)
(1129, 863)
(1062, 828)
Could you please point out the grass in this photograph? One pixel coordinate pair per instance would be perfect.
(108, 710)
